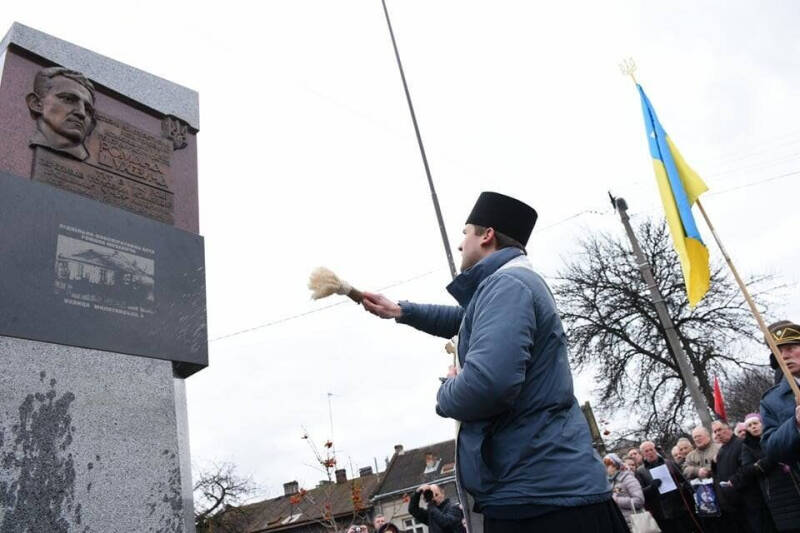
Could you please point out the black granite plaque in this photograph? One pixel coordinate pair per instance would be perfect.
(77, 272)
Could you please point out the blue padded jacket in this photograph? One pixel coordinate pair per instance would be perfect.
(523, 438)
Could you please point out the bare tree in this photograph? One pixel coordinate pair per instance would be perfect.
(320, 504)
(612, 326)
(218, 495)
(743, 393)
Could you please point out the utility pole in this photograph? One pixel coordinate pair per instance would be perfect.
(674, 343)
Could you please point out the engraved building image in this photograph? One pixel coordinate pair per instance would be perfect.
(93, 273)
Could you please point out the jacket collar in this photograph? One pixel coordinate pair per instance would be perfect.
(750, 441)
(464, 286)
(783, 387)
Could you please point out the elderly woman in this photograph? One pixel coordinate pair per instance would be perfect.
(771, 499)
(626, 490)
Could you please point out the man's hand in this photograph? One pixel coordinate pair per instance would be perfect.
(380, 305)
(704, 473)
(452, 371)
(423, 487)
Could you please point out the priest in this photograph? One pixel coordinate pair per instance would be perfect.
(524, 452)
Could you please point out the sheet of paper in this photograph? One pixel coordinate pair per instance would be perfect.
(661, 472)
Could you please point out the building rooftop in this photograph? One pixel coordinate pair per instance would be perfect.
(410, 468)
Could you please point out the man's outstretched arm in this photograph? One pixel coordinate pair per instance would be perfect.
(438, 320)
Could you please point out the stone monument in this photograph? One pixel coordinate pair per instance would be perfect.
(102, 291)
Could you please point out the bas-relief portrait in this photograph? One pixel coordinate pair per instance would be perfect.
(62, 102)
(90, 153)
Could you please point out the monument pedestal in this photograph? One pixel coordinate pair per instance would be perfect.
(102, 292)
(91, 441)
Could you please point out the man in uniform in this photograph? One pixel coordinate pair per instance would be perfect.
(524, 450)
(779, 411)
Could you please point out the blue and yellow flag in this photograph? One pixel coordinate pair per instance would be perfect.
(679, 186)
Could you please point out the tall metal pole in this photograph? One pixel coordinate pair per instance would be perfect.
(670, 332)
(436, 207)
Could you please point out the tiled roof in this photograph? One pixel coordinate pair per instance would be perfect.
(407, 470)
(277, 513)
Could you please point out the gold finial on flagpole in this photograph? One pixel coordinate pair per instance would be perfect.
(628, 67)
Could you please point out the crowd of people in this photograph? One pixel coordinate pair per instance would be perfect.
(719, 481)
(736, 478)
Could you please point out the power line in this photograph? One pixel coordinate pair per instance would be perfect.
(576, 215)
(396, 284)
(760, 148)
(753, 183)
(317, 310)
(757, 166)
(408, 280)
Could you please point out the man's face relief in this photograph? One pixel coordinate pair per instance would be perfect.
(67, 108)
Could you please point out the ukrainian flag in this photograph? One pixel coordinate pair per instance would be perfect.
(679, 187)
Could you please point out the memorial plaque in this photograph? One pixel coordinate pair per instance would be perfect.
(126, 167)
(81, 273)
(102, 291)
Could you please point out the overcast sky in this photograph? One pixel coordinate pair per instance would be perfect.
(308, 158)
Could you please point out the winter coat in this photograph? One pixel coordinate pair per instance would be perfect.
(781, 438)
(726, 465)
(523, 439)
(627, 492)
(697, 459)
(674, 503)
(652, 498)
(442, 518)
(779, 489)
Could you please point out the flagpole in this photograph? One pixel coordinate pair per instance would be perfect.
(753, 309)
(436, 207)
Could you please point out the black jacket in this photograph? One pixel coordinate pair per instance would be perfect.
(674, 504)
(779, 484)
(650, 490)
(443, 518)
(724, 467)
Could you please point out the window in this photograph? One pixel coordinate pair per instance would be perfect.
(411, 526)
(291, 518)
(432, 466)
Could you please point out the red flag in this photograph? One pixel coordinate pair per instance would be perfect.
(719, 403)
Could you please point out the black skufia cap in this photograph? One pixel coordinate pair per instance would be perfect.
(505, 214)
